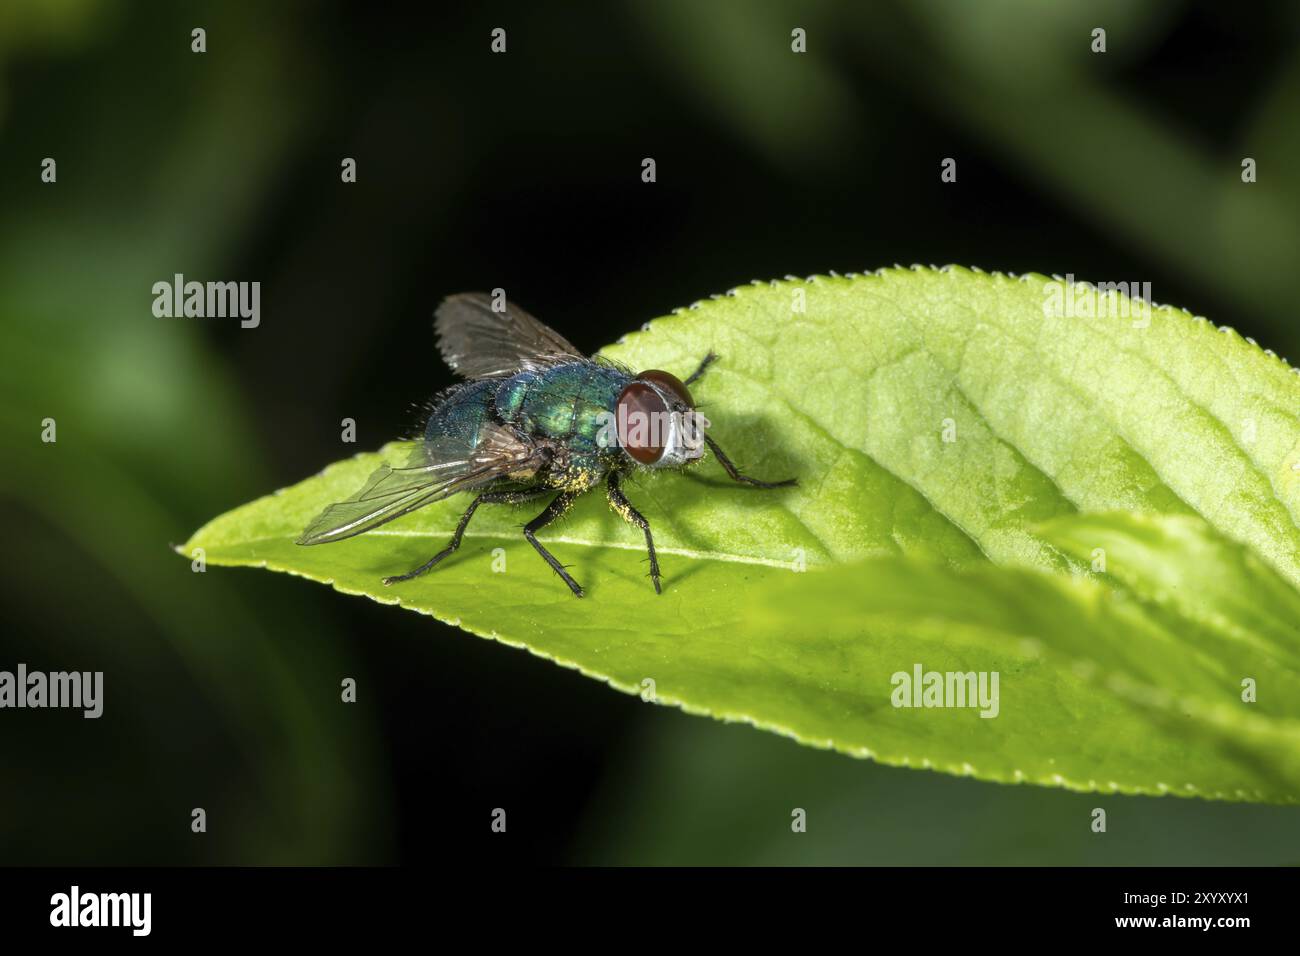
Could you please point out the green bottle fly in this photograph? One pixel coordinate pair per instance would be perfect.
(536, 418)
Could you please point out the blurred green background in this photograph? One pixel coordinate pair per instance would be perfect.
(523, 171)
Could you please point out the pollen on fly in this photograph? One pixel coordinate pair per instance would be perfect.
(533, 418)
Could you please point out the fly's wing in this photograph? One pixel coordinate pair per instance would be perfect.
(480, 343)
(437, 470)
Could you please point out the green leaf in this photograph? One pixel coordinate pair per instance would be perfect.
(1117, 682)
(941, 422)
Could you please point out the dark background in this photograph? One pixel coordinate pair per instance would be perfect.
(523, 171)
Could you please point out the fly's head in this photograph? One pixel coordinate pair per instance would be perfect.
(658, 424)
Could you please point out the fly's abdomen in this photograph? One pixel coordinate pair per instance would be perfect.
(461, 414)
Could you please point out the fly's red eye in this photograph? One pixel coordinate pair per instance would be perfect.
(641, 414)
(669, 383)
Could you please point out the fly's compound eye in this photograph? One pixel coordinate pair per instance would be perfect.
(642, 418)
(670, 383)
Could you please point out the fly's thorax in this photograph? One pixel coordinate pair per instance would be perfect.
(655, 422)
(565, 403)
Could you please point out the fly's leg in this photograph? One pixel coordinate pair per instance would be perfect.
(562, 503)
(618, 501)
(723, 460)
(735, 475)
(708, 360)
(487, 498)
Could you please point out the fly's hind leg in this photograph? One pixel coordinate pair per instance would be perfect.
(487, 498)
(618, 501)
(562, 503)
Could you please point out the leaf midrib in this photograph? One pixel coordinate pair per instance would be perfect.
(446, 534)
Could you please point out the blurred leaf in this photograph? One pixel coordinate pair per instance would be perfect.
(1164, 192)
(1052, 41)
(670, 798)
(161, 191)
(27, 25)
(936, 419)
(738, 62)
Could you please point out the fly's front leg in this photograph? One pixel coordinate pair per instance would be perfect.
(708, 360)
(618, 501)
(735, 475)
(487, 498)
(562, 503)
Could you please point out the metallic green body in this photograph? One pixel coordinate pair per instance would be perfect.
(564, 407)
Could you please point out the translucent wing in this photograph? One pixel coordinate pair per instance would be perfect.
(480, 343)
(437, 470)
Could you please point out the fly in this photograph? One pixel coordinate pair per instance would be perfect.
(535, 418)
